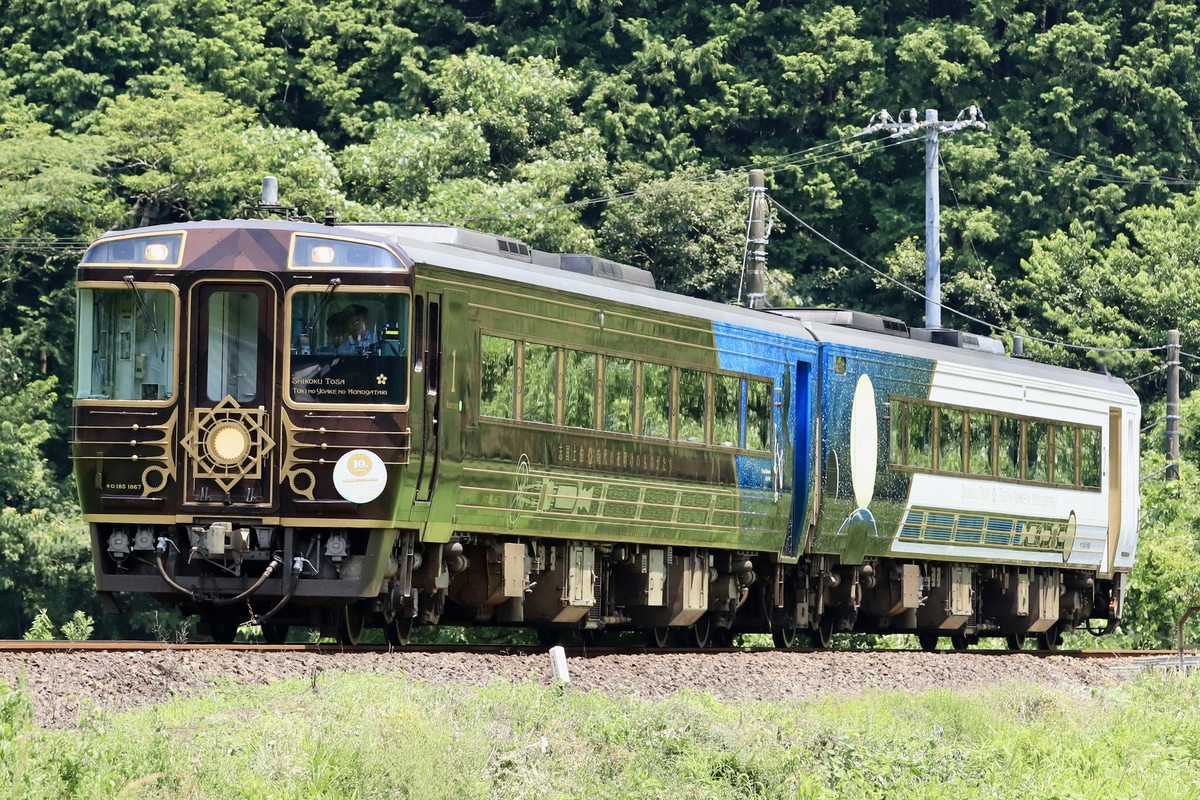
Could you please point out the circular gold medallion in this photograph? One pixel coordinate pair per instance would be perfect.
(228, 442)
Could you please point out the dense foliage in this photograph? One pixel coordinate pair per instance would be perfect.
(623, 128)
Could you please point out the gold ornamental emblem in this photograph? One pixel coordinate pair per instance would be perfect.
(228, 443)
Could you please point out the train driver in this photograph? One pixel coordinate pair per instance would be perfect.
(359, 334)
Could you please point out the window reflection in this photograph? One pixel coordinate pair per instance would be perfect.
(579, 390)
(126, 344)
(618, 395)
(656, 400)
(758, 415)
(499, 377)
(950, 439)
(727, 401)
(541, 363)
(691, 406)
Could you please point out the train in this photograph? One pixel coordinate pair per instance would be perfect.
(343, 427)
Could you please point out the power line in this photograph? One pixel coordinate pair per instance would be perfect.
(772, 166)
(964, 315)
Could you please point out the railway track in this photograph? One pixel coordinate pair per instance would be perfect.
(1190, 657)
(63, 679)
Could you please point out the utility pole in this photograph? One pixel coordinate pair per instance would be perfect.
(757, 242)
(970, 117)
(1172, 405)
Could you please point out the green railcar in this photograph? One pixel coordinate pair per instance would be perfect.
(343, 427)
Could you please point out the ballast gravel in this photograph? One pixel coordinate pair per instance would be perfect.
(63, 685)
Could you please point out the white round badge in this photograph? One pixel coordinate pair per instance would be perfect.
(359, 476)
(864, 442)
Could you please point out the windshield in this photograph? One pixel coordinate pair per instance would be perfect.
(125, 344)
(349, 347)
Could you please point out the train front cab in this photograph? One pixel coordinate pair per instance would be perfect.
(239, 451)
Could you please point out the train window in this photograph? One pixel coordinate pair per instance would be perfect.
(232, 346)
(499, 374)
(950, 439)
(920, 436)
(129, 332)
(1089, 457)
(994, 445)
(981, 436)
(899, 422)
(349, 347)
(656, 400)
(540, 377)
(1037, 452)
(618, 395)
(758, 415)
(418, 349)
(727, 403)
(1064, 454)
(579, 390)
(691, 406)
(1008, 447)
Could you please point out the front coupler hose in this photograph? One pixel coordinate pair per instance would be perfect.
(276, 560)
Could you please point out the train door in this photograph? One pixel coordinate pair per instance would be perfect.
(428, 321)
(230, 434)
(807, 463)
(447, 344)
(1115, 469)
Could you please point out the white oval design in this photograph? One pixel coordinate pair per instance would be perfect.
(864, 442)
(360, 476)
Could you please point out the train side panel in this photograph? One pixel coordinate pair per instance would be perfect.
(542, 465)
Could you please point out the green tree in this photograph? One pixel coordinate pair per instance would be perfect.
(690, 233)
(51, 200)
(180, 153)
(1165, 581)
(43, 551)
(1126, 295)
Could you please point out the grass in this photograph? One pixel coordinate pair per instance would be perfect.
(386, 736)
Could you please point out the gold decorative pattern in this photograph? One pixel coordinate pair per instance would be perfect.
(155, 477)
(330, 444)
(228, 443)
(302, 480)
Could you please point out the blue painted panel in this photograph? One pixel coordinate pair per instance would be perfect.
(786, 361)
(842, 367)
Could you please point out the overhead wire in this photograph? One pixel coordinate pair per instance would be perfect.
(920, 294)
(767, 165)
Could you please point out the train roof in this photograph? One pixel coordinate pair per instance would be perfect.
(610, 281)
(511, 249)
(456, 248)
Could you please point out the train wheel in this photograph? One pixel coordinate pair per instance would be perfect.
(223, 632)
(784, 633)
(658, 637)
(399, 630)
(350, 626)
(928, 641)
(698, 634)
(959, 641)
(1048, 641)
(274, 634)
(1016, 641)
(822, 635)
